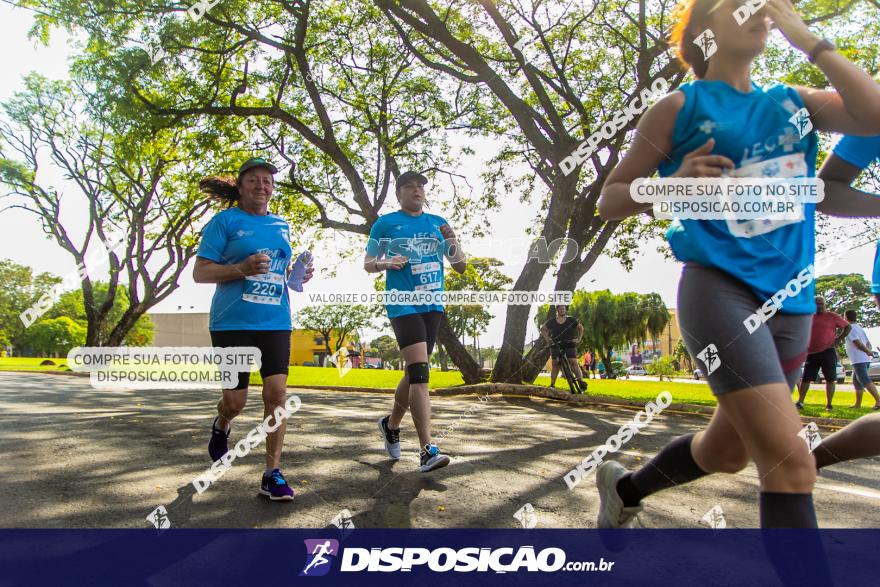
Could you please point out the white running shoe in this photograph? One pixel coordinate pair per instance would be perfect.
(612, 513)
(391, 438)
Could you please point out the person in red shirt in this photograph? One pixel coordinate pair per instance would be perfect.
(824, 337)
(586, 361)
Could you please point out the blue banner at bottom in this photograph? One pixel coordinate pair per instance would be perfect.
(438, 557)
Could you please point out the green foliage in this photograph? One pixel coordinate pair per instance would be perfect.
(481, 275)
(851, 291)
(339, 321)
(70, 305)
(615, 320)
(55, 336)
(680, 354)
(386, 347)
(661, 367)
(21, 289)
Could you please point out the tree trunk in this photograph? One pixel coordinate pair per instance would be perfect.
(509, 364)
(131, 315)
(605, 359)
(444, 358)
(470, 371)
(535, 360)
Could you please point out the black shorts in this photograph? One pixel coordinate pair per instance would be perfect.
(413, 328)
(825, 360)
(569, 349)
(274, 347)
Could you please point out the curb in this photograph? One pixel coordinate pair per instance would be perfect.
(513, 390)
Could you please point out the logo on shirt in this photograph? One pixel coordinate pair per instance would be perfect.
(244, 233)
(707, 126)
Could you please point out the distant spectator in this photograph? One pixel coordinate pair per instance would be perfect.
(821, 353)
(858, 349)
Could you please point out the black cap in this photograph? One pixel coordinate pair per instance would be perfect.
(256, 162)
(408, 176)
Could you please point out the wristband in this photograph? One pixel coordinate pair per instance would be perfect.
(821, 46)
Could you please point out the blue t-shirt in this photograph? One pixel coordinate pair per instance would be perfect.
(861, 152)
(258, 302)
(754, 131)
(418, 238)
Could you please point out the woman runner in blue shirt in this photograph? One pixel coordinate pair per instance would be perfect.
(723, 124)
(246, 251)
(409, 246)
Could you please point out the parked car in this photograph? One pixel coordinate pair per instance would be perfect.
(308, 364)
(636, 370)
(698, 374)
(874, 371)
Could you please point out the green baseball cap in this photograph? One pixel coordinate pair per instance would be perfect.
(256, 162)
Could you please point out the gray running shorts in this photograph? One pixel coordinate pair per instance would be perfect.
(712, 307)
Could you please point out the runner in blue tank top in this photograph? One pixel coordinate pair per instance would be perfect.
(409, 246)
(724, 124)
(245, 251)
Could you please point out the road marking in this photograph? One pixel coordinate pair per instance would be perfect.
(849, 490)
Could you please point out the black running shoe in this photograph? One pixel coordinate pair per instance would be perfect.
(218, 446)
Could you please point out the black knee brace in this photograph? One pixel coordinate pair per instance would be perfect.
(418, 372)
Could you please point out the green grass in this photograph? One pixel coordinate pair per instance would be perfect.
(690, 393)
(366, 378)
(699, 393)
(31, 364)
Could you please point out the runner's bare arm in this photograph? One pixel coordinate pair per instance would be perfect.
(841, 199)
(207, 271)
(373, 264)
(455, 253)
(651, 145)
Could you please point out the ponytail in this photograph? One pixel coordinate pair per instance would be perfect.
(221, 189)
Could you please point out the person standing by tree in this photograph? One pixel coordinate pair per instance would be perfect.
(564, 331)
(707, 128)
(408, 245)
(821, 352)
(246, 251)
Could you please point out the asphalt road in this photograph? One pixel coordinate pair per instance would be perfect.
(73, 456)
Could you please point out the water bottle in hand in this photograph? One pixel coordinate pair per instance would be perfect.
(295, 281)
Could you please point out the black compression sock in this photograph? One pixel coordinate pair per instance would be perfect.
(787, 510)
(673, 465)
(798, 557)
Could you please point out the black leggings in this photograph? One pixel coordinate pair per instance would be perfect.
(413, 328)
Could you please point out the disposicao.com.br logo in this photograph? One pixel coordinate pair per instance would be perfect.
(320, 553)
(442, 560)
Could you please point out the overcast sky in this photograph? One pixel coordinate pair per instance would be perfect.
(22, 240)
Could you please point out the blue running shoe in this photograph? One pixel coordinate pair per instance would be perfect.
(218, 446)
(275, 487)
(430, 458)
